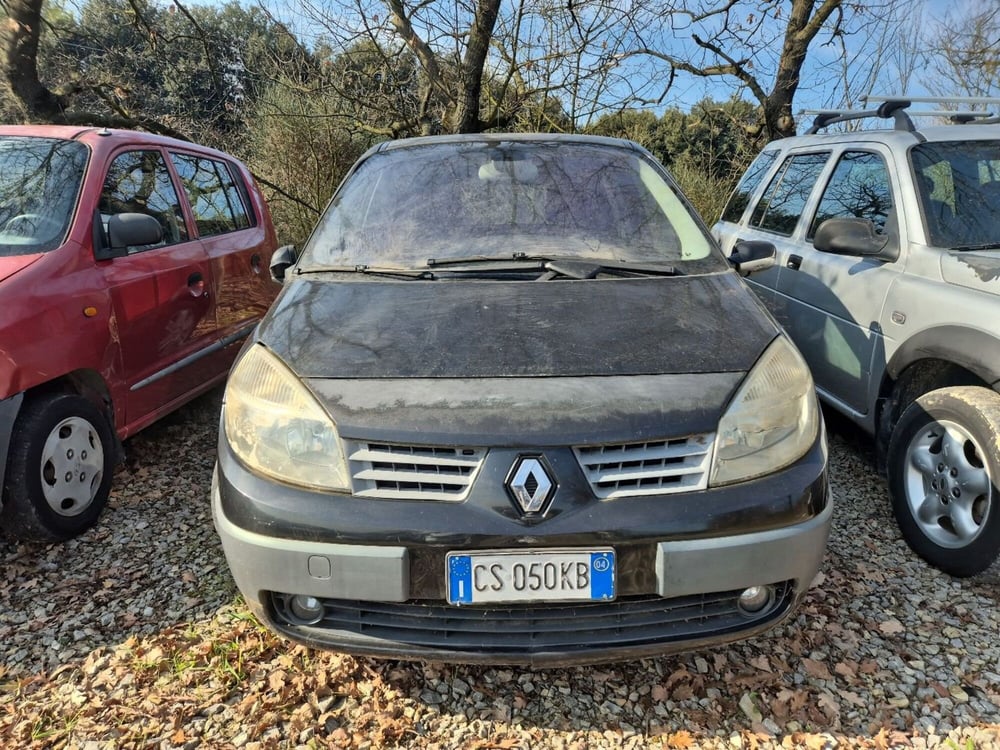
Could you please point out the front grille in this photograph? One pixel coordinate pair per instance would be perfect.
(629, 621)
(656, 467)
(406, 472)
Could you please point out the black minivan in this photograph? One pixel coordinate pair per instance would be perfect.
(513, 405)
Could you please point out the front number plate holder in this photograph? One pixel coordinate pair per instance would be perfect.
(549, 575)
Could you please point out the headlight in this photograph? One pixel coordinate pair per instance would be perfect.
(276, 427)
(772, 420)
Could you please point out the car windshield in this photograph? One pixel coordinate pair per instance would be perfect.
(39, 182)
(422, 205)
(959, 187)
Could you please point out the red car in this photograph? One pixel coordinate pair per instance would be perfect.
(132, 267)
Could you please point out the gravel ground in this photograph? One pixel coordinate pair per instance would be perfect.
(134, 636)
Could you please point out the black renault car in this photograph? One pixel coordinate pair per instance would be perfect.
(514, 406)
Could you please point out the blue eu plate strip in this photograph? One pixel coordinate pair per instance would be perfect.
(602, 575)
(460, 573)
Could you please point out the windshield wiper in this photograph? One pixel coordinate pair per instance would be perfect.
(985, 246)
(480, 259)
(574, 268)
(409, 273)
(590, 269)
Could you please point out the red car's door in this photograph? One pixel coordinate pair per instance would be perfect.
(236, 238)
(164, 311)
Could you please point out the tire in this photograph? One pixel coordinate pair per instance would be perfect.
(59, 468)
(943, 471)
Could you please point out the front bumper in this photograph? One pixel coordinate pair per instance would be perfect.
(9, 408)
(383, 594)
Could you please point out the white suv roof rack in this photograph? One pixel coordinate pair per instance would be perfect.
(896, 107)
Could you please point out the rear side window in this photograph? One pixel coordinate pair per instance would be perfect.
(740, 198)
(138, 182)
(859, 188)
(216, 198)
(785, 198)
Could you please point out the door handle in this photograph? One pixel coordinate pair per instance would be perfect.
(196, 285)
(255, 263)
(794, 261)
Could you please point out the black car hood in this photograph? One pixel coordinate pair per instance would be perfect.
(364, 329)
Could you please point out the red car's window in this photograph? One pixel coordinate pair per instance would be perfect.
(139, 182)
(39, 181)
(213, 193)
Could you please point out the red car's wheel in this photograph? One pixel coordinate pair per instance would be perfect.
(59, 468)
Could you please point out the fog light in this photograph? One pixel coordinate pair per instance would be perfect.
(308, 609)
(755, 598)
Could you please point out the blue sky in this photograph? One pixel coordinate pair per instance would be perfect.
(822, 85)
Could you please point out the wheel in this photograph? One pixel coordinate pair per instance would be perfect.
(59, 468)
(944, 465)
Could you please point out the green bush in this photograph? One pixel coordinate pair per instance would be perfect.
(706, 192)
(299, 145)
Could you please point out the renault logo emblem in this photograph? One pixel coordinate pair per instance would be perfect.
(529, 484)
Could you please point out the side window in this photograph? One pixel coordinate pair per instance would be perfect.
(216, 199)
(785, 198)
(139, 182)
(740, 198)
(859, 188)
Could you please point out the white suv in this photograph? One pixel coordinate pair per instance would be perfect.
(887, 277)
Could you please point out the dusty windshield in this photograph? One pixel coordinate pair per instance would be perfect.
(497, 199)
(39, 182)
(959, 187)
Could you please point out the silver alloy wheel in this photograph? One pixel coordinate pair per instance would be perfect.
(72, 466)
(948, 485)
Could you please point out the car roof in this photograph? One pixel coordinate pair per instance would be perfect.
(510, 138)
(102, 139)
(892, 137)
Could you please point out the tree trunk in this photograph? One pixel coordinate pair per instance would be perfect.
(467, 119)
(19, 37)
(804, 23)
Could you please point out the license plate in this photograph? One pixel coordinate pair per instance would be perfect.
(536, 576)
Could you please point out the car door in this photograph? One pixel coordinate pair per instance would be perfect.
(832, 304)
(164, 316)
(235, 239)
(731, 226)
(775, 218)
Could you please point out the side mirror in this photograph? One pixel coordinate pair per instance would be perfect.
(284, 257)
(751, 256)
(853, 237)
(130, 230)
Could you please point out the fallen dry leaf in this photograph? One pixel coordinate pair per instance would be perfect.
(681, 740)
(853, 698)
(891, 627)
(829, 706)
(817, 669)
(761, 663)
(846, 669)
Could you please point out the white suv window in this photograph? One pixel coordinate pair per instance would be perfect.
(958, 184)
(859, 188)
(754, 175)
(785, 199)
